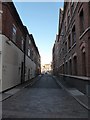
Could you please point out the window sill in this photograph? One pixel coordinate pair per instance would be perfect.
(78, 77)
(84, 33)
(72, 47)
(69, 50)
(74, 44)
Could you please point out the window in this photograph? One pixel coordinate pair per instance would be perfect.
(65, 26)
(22, 44)
(28, 74)
(89, 12)
(73, 35)
(83, 63)
(1, 21)
(0, 63)
(62, 52)
(69, 42)
(72, 7)
(63, 69)
(81, 22)
(70, 67)
(68, 17)
(66, 47)
(66, 67)
(29, 42)
(1, 12)
(29, 52)
(14, 33)
(32, 55)
(75, 65)
(25, 70)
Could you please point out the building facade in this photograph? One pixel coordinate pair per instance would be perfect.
(46, 68)
(17, 49)
(71, 54)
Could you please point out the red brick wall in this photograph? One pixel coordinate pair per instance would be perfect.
(10, 18)
(79, 41)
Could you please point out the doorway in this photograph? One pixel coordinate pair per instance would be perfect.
(83, 64)
(22, 72)
(28, 74)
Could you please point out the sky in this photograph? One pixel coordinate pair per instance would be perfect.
(41, 19)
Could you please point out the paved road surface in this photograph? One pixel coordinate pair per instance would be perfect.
(45, 99)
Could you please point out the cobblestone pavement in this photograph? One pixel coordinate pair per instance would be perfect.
(45, 99)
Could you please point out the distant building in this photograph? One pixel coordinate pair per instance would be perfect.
(46, 68)
(70, 52)
(19, 55)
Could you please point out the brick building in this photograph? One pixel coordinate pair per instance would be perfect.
(46, 68)
(19, 55)
(71, 57)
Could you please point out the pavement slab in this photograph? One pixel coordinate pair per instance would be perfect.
(79, 96)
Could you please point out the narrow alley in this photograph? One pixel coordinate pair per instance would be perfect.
(44, 99)
(44, 59)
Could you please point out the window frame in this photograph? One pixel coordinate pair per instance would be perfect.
(81, 21)
(14, 31)
(28, 52)
(73, 34)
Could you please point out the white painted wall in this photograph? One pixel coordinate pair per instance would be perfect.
(30, 65)
(12, 57)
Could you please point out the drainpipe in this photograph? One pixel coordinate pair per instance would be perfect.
(25, 51)
(24, 57)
